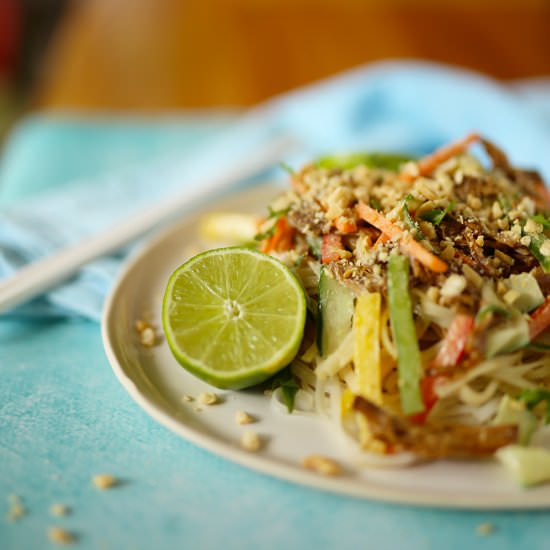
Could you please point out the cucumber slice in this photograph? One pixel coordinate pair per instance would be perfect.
(335, 313)
(509, 337)
(530, 294)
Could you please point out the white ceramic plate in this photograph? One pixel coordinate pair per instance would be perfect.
(157, 383)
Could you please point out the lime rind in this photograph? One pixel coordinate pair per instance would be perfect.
(202, 285)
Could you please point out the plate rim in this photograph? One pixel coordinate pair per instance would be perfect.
(257, 462)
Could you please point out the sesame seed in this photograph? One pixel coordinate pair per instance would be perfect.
(187, 398)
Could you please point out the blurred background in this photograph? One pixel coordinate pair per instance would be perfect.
(168, 55)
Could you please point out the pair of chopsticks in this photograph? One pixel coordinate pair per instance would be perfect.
(45, 273)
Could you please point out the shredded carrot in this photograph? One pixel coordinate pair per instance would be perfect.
(345, 225)
(378, 220)
(426, 165)
(281, 239)
(407, 242)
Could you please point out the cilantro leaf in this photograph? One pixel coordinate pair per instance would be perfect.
(411, 222)
(289, 387)
(437, 215)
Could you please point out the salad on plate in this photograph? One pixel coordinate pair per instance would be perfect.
(427, 289)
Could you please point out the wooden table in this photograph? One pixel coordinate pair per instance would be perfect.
(168, 54)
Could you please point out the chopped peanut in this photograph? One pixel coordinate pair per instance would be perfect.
(322, 465)
(208, 398)
(242, 417)
(251, 441)
(104, 481)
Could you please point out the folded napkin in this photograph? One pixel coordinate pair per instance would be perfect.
(100, 173)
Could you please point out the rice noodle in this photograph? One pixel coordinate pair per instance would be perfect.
(337, 359)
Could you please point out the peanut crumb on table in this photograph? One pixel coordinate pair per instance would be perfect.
(104, 481)
(60, 536)
(17, 510)
(484, 529)
(322, 465)
(59, 510)
(187, 398)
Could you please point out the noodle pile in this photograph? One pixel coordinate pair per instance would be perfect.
(476, 242)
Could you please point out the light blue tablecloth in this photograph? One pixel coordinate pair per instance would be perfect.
(64, 418)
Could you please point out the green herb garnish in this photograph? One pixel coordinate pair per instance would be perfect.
(437, 215)
(375, 203)
(287, 168)
(277, 213)
(289, 387)
(411, 222)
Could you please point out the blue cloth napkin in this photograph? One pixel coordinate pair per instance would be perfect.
(407, 107)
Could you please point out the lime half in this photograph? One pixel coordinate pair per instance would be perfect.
(233, 316)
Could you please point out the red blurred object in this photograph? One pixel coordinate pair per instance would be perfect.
(10, 34)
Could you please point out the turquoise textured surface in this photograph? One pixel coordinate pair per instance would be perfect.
(66, 418)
